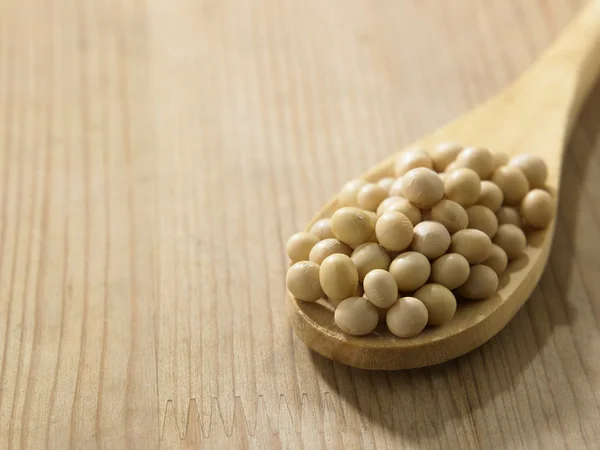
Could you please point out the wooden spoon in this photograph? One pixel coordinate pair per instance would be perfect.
(533, 115)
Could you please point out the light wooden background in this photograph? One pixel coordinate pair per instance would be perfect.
(154, 157)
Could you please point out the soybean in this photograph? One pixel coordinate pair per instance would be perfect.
(538, 208)
(338, 276)
(299, 245)
(370, 256)
(411, 270)
(491, 196)
(381, 288)
(431, 239)
(509, 214)
(451, 270)
(533, 167)
(396, 187)
(512, 182)
(407, 317)
(302, 280)
(481, 284)
(349, 192)
(407, 208)
(394, 231)
(412, 159)
(444, 154)
(483, 219)
(370, 196)
(497, 260)
(451, 215)
(439, 301)
(463, 186)
(386, 183)
(322, 229)
(474, 245)
(327, 247)
(511, 239)
(352, 226)
(356, 316)
(422, 187)
(478, 159)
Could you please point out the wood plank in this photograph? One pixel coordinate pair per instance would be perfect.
(155, 156)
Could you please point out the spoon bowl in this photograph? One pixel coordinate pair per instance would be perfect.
(533, 115)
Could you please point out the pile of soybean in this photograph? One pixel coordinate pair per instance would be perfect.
(400, 251)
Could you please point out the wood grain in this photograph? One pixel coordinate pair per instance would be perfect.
(154, 157)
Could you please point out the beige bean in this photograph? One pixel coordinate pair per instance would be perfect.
(381, 288)
(407, 317)
(538, 208)
(327, 247)
(386, 183)
(407, 208)
(533, 167)
(497, 260)
(353, 226)
(463, 186)
(387, 203)
(411, 270)
(444, 154)
(299, 245)
(511, 239)
(372, 215)
(370, 256)
(349, 192)
(482, 283)
(356, 316)
(411, 159)
(512, 182)
(302, 280)
(397, 187)
(450, 168)
(338, 276)
(483, 219)
(431, 239)
(370, 196)
(474, 245)
(439, 301)
(451, 270)
(491, 196)
(359, 293)
(509, 214)
(322, 229)
(394, 231)
(422, 187)
(451, 215)
(478, 159)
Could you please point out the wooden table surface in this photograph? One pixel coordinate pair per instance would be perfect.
(154, 158)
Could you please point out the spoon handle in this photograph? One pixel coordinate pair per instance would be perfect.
(565, 73)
